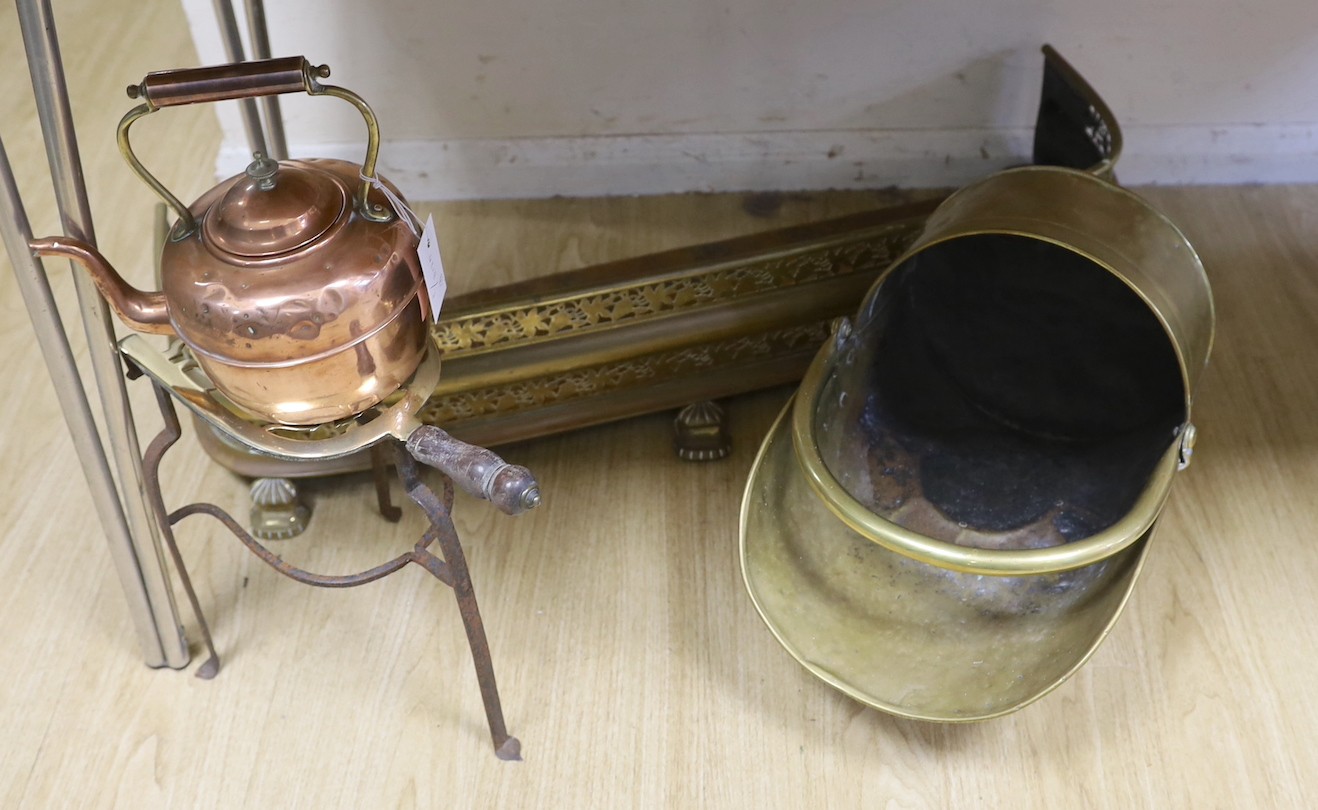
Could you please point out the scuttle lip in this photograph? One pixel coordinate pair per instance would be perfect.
(885, 629)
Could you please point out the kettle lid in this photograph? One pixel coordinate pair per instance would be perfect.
(274, 208)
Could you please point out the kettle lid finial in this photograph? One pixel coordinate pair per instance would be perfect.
(258, 217)
(262, 169)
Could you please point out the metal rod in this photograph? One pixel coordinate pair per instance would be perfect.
(274, 119)
(506, 746)
(279, 564)
(40, 303)
(451, 569)
(159, 232)
(155, 452)
(233, 51)
(51, 93)
(380, 471)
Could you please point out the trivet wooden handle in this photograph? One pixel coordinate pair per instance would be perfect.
(477, 471)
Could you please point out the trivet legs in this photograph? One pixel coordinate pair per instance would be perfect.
(452, 570)
(151, 479)
(380, 473)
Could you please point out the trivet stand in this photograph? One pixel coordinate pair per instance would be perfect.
(475, 469)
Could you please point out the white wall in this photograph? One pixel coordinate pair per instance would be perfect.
(489, 98)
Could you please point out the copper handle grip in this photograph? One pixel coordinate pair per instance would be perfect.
(477, 471)
(268, 77)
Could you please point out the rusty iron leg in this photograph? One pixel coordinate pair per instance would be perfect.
(453, 571)
(380, 471)
(168, 435)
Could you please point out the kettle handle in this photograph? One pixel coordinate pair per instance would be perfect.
(267, 77)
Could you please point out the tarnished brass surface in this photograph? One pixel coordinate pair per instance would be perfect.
(959, 551)
(700, 432)
(1108, 226)
(277, 512)
(905, 637)
(950, 515)
(659, 331)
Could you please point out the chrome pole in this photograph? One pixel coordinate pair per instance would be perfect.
(274, 120)
(40, 303)
(233, 51)
(51, 93)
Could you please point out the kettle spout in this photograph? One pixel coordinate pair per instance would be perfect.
(140, 311)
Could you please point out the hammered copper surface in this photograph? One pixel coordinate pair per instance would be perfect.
(318, 314)
(296, 284)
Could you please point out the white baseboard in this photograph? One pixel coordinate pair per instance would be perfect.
(1231, 154)
(660, 164)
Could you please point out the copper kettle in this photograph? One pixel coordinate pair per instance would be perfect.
(296, 284)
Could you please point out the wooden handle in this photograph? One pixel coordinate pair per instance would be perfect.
(477, 471)
(268, 77)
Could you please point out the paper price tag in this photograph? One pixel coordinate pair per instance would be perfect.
(432, 267)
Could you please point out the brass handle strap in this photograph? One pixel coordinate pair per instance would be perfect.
(291, 74)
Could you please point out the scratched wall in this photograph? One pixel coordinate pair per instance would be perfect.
(534, 98)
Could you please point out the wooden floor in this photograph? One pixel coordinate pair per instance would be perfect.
(633, 666)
